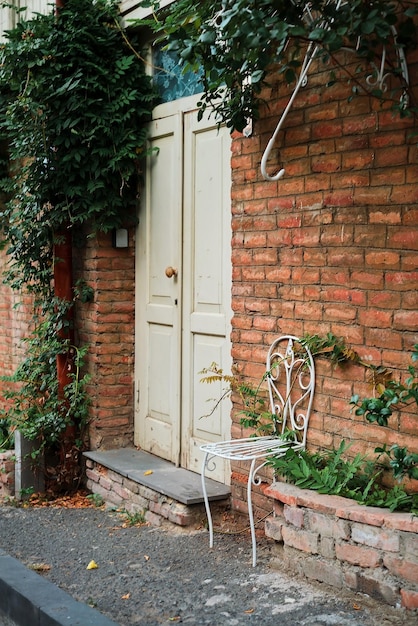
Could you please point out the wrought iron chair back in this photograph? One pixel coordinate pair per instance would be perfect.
(291, 384)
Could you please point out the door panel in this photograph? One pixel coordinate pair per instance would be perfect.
(158, 343)
(206, 286)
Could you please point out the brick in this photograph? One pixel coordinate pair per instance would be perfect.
(327, 547)
(273, 528)
(404, 238)
(402, 521)
(409, 599)
(375, 537)
(380, 587)
(301, 540)
(357, 555)
(105, 483)
(327, 526)
(326, 572)
(401, 567)
(405, 320)
(294, 516)
(153, 519)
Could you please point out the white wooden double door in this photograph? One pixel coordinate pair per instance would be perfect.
(183, 286)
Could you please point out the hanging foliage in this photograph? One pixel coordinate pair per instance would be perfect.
(74, 99)
(237, 43)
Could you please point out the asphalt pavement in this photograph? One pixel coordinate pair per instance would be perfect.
(150, 576)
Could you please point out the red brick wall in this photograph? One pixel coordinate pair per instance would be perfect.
(331, 247)
(106, 325)
(14, 319)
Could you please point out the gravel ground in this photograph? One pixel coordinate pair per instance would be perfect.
(151, 576)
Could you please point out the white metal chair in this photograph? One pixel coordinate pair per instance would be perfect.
(290, 377)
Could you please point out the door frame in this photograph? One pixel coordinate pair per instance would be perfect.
(177, 109)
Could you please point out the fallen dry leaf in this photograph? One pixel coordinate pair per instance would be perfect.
(78, 500)
(249, 611)
(126, 596)
(148, 472)
(146, 557)
(39, 567)
(356, 607)
(92, 565)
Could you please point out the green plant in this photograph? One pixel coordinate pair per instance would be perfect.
(134, 519)
(75, 100)
(74, 103)
(238, 42)
(26, 492)
(37, 410)
(392, 395)
(331, 347)
(96, 499)
(402, 462)
(252, 398)
(329, 472)
(42, 414)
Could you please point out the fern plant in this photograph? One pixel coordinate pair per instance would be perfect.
(254, 405)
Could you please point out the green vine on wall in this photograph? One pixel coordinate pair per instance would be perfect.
(238, 42)
(74, 104)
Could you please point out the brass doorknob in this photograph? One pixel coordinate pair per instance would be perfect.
(170, 271)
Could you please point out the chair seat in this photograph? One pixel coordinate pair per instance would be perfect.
(250, 448)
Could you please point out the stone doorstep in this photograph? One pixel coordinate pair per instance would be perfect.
(159, 475)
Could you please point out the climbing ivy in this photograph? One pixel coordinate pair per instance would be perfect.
(238, 42)
(74, 103)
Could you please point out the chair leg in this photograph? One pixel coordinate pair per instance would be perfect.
(250, 510)
(206, 499)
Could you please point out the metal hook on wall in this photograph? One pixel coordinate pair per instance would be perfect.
(376, 79)
(309, 57)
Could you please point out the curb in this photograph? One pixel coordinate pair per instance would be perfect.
(28, 599)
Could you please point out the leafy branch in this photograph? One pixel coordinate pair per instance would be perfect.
(392, 396)
(237, 43)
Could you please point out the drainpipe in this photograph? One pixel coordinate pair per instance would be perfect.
(63, 289)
